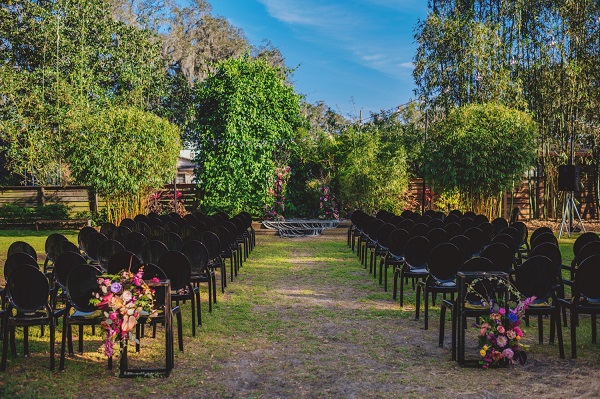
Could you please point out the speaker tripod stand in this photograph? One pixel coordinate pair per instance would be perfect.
(570, 209)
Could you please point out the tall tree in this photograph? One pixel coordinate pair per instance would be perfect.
(245, 118)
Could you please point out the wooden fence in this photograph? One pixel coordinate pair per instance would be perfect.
(80, 198)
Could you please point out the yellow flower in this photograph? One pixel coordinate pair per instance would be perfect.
(485, 347)
(482, 352)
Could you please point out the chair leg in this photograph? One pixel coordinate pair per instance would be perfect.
(593, 328)
(442, 325)
(52, 344)
(559, 335)
(4, 345)
(540, 329)
(179, 331)
(573, 335)
(418, 302)
(394, 293)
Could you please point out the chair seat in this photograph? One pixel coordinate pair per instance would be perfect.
(86, 315)
(417, 271)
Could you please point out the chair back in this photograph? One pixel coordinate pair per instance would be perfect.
(177, 268)
(537, 232)
(92, 245)
(151, 271)
(397, 242)
(476, 237)
(172, 226)
(552, 252)
(63, 265)
(82, 284)
(28, 289)
(49, 244)
(500, 255)
(172, 240)
(156, 232)
(152, 251)
(453, 229)
(129, 223)
(477, 264)
(419, 229)
(499, 224)
(543, 238)
(507, 240)
(416, 252)
(22, 246)
(212, 243)
(463, 243)
(383, 235)
(134, 241)
(436, 236)
(480, 219)
(107, 249)
(586, 284)
(16, 260)
(120, 232)
(584, 239)
(589, 249)
(122, 260)
(189, 232)
(108, 229)
(406, 224)
(197, 254)
(536, 277)
(143, 227)
(444, 262)
(436, 223)
(82, 237)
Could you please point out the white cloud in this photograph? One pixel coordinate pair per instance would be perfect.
(346, 26)
(407, 65)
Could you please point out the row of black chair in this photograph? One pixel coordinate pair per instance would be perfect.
(186, 263)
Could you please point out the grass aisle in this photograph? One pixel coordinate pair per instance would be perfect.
(305, 320)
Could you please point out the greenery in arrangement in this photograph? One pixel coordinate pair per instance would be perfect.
(479, 151)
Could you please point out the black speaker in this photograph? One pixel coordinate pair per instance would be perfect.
(568, 178)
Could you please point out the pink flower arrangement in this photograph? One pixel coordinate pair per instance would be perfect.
(328, 208)
(123, 298)
(500, 333)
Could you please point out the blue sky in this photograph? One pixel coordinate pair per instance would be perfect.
(352, 54)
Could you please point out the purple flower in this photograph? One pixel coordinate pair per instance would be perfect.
(115, 287)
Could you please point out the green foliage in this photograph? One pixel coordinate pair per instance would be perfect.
(479, 150)
(96, 218)
(245, 118)
(123, 152)
(18, 213)
(373, 172)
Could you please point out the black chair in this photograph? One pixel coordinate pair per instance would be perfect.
(106, 250)
(466, 223)
(152, 251)
(151, 271)
(172, 240)
(22, 246)
(435, 223)
(156, 232)
(523, 243)
(215, 262)
(81, 285)
(108, 229)
(419, 229)
(477, 239)
(226, 239)
(501, 256)
(475, 264)
(62, 266)
(537, 277)
(453, 229)
(584, 239)
(370, 242)
(443, 264)
(178, 269)
(543, 238)
(27, 293)
(82, 237)
(436, 236)
(120, 232)
(585, 297)
(383, 236)
(463, 243)
(537, 232)
(395, 254)
(122, 260)
(134, 242)
(499, 224)
(92, 245)
(49, 247)
(509, 241)
(189, 232)
(480, 219)
(197, 254)
(416, 253)
(18, 259)
(144, 228)
(129, 223)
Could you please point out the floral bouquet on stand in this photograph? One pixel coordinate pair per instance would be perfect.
(124, 298)
(500, 330)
